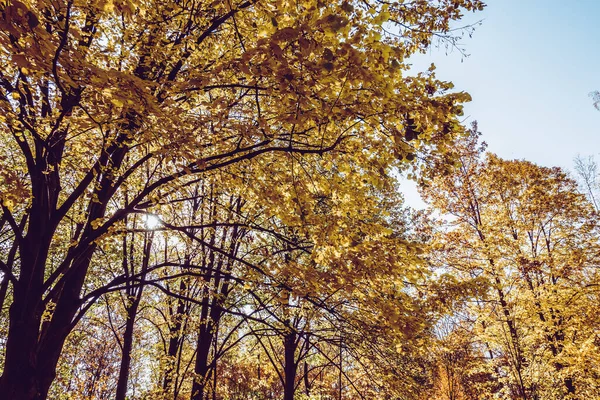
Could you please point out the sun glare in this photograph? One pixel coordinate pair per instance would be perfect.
(152, 221)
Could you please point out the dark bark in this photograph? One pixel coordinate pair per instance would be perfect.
(33, 346)
(201, 366)
(134, 293)
(306, 380)
(126, 353)
(212, 310)
(23, 378)
(32, 353)
(174, 340)
(291, 366)
(205, 341)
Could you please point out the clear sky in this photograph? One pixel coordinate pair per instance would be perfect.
(530, 69)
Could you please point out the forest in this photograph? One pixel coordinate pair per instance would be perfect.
(203, 200)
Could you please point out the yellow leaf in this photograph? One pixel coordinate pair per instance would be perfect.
(8, 203)
(109, 6)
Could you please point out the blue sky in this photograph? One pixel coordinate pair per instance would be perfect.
(530, 69)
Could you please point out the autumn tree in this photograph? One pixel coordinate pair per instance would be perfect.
(107, 107)
(528, 238)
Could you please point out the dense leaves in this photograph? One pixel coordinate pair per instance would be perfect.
(186, 182)
(527, 240)
(199, 200)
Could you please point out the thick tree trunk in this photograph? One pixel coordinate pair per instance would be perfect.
(19, 378)
(33, 348)
(22, 377)
(30, 364)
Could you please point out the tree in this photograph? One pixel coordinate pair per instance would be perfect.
(529, 239)
(108, 107)
(587, 172)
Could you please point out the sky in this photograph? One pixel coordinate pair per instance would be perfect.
(531, 67)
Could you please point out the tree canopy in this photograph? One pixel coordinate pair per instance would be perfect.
(522, 247)
(209, 160)
(203, 200)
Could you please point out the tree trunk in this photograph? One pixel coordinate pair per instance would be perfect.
(19, 378)
(209, 322)
(290, 366)
(306, 380)
(136, 294)
(174, 339)
(126, 354)
(201, 365)
(22, 377)
(212, 311)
